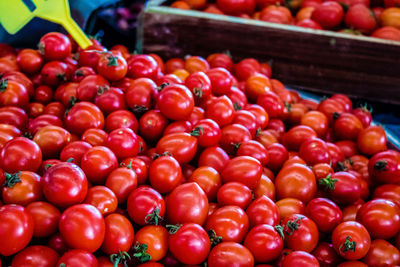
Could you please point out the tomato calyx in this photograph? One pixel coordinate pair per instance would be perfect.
(140, 252)
(380, 165)
(237, 106)
(214, 238)
(3, 84)
(259, 132)
(72, 101)
(41, 47)
(344, 165)
(129, 166)
(197, 131)
(166, 153)
(172, 229)
(153, 217)
(112, 61)
(197, 91)
(279, 228)
(288, 106)
(61, 77)
(61, 265)
(162, 86)
(102, 89)
(12, 179)
(366, 107)
(28, 135)
(121, 257)
(328, 183)
(293, 225)
(236, 146)
(138, 109)
(349, 245)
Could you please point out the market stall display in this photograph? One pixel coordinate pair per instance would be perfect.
(117, 159)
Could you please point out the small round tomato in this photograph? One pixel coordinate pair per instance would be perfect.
(257, 85)
(74, 256)
(13, 93)
(208, 179)
(214, 157)
(189, 244)
(182, 146)
(230, 253)
(351, 240)
(347, 126)
(300, 258)
(388, 191)
(234, 193)
(388, 33)
(229, 222)
(293, 138)
(123, 142)
(16, 226)
(243, 169)
(221, 111)
(119, 234)
(290, 206)
(372, 140)
(301, 233)
(112, 66)
(276, 14)
(152, 125)
(277, 155)
(176, 102)
(254, 149)
(64, 184)
(208, 132)
(14, 116)
(272, 104)
(165, 174)
(21, 188)
(55, 46)
(380, 217)
(326, 255)
(264, 243)
(344, 187)
(142, 66)
(29, 60)
(384, 167)
(221, 81)
(325, 213)
(45, 217)
(329, 14)
(82, 116)
(144, 201)
(314, 151)
(102, 198)
(36, 256)
(122, 181)
(296, 181)
(265, 187)
(263, 211)
(51, 140)
(196, 63)
(246, 68)
(155, 238)
(382, 253)
(199, 84)
(110, 99)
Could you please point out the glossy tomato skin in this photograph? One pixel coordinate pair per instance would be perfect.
(221, 81)
(296, 181)
(82, 227)
(328, 15)
(112, 66)
(16, 226)
(228, 253)
(372, 140)
(27, 189)
(102, 198)
(229, 222)
(110, 99)
(209, 132)
(314, 151)
(384, 167)
(325, 213)
(347, 126)
(263, 211)
(293, 138)
(326, 255)
(208, 179)
(243, 169)
(156, 239)
(29, 60)
(36, 255)
(74, 150)
(97, 163)
(234, 193)
(152, 125)
(55, 46)
(220, 110)
(51, 140)
(119, 234)
(190, 244)
(45, 217)
(78, 257)
(176, 102)
(20, 154)
(380, 217)
(64, 184)
(14, 116)
(122, 181)
(165, 174)
(382, 253)
(264, 243)
(388, 191)
(304, 236)
(300, 258)
(82, 116)
(232, 135)
(13, 93)
(290, 206)
(199, 84)
(142, 66)
(187, 203)
(182, 146)
(272, 104)
(123, 142)
(214, 157)
(143, 201)
(352, 232)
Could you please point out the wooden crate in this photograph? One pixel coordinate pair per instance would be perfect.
(308, 59)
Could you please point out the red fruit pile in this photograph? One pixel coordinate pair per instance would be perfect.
(112, 159)
(376, 18)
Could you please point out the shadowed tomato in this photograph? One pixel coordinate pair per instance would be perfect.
(36, 256)
(233, 135)
(326, 255)
(14, 116)
(119, 234)
(182, 146)
(243, 169)
(51, 140)
(382, 253)
(293, 138)
(230, 253)
(234, 193)
(300, 258)
(78, 257)
(208, 179)
(301, 233)
(102, 198)
(21, 188)
(343, 187)
(74, 150)
(221, 81)
(347, 126)
(13, 93)
(325, 213)
(45, 217)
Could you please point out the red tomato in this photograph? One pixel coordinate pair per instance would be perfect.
(301, 233)
(380, 217)
(176, 102)
(293, 138)
(102, 198)
(152, 125)
(182, 146)
(187, 203)
(329, 14)
(51, 140)
(97, 163)
(55, 46)
(90, 86)
(388, 191)
(382, 253)
(36, 256)
(64, 184)
(110, 99)
(195, 64)
(122, 181)
(314, 151)
(189, 244)
(220, 60)
(139, 166)
(263, 211)
(290, 206)
(229, 222)
(165, 174)
(144, 201)
(82, 72)
(384, 167)
(387, 32)
(347, 126)
(296, 181)
(243, 169)
(372, 140)
(82, 227)
(21, 188)
(119, 234)
(13, 93)
(351, 240)
(220, 110)
(8, 132)
(94, 137)
(343, 187)
(233, 135)
(326, 255)
(265, 187)
(123, 142)
(199, 84)
(78, 257)
(74, 150)
(234, 193)
(264, 243)
(300, 258)
(208, 179)
(142, 66)
(230, 253)
(45, 217)
(155, 237)
(221, 81)
(214, 157)
(112, 66)
(14, 116)
(16, 226)
(82, 116)
(208, 132)
(325, 213)
(254, 149)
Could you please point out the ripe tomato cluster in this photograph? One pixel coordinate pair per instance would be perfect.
(112, 159)
(376, 18)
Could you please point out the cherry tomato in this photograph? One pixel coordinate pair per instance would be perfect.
(142, 66)
(382, 253)
(300, 258)
(155, 237)
(343, 187)
(293, 138)
(325, 213)
(22, 188)
(36, 256)
(384, 167)
(214, 157)
(45, 217)
(97, 163)
(230, 253)
(221, 111)
(234, 193)
(176, 102)
(82, 116)
(326, 255)
(301, 233)
(112, 66)
(372, 140)
(119, 234)
(55, 46)
(182, 146)
(77, 257)
(102, 198)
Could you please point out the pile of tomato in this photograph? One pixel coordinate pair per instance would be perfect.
(113, 159)
(376, 18)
